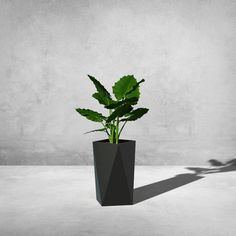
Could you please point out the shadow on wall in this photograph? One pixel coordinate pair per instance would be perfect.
(151, 190)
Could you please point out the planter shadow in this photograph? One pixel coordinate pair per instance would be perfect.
(152, 190)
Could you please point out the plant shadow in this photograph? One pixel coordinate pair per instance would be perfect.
(152, 190)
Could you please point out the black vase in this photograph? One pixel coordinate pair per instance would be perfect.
(114, 172)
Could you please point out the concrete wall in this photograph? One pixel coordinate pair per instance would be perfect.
(184, 49)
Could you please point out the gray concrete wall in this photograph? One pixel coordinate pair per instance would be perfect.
(184, 49)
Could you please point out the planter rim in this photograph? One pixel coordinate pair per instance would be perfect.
(106, 141)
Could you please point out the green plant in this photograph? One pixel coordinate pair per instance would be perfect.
(126, 92)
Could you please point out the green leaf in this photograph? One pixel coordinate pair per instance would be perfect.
(91, 115)
(102, 95)
(123, 86)
(119, 112)
(131, 101)
(100, 88)
(103, 99)
(136, 114)
(96, 130)
(135, 87)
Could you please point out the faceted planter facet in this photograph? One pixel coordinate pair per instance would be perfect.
(114, 172)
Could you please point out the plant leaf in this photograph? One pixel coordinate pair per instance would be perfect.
(102, 95)
(123, 86)
(95, 130)
(91, 115)
(136, 114)
(131, 101)
(100, 88)
(102, 99)
(119, 112)
(135, 87)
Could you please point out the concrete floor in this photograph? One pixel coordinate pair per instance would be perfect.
(60, 200)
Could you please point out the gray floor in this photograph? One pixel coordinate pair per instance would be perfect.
(60, 200)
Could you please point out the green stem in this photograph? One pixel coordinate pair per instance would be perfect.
(112, 135)
(117, 130)
(111, 130)
(106, 129)
(122, 128)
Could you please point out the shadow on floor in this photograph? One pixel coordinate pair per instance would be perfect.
(218, 167)
(152, 190)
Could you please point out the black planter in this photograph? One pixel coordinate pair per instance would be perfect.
(114, 172)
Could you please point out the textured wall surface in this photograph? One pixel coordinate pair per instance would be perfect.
(185, 50)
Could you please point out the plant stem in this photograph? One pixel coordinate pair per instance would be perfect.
(111, 130)
(106, 129)
(112, 135)
(117, 130)
(122, 128)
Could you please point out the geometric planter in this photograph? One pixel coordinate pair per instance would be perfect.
(114, 172)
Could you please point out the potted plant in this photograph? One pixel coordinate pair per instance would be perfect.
(114, 158)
